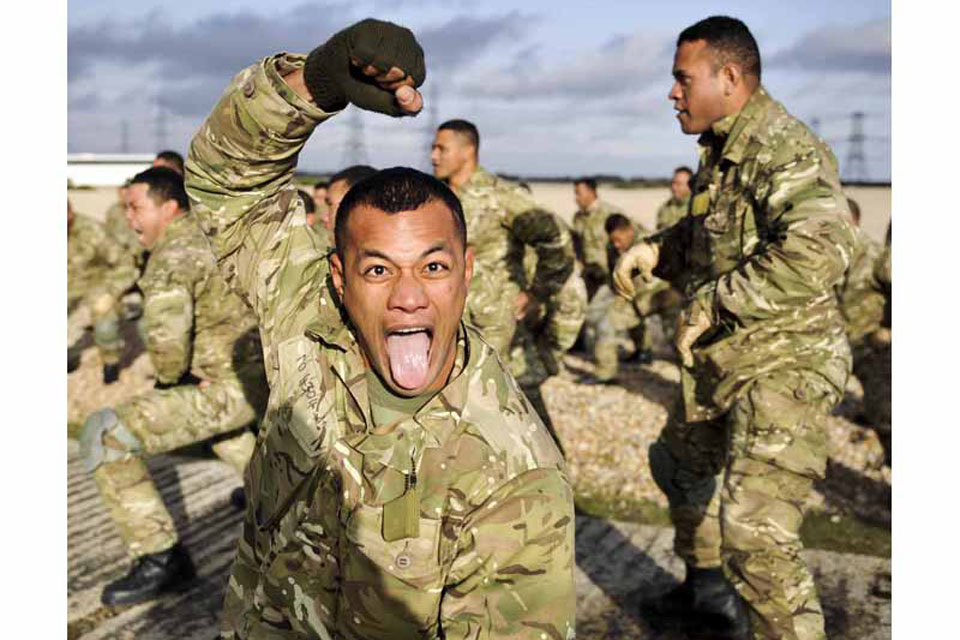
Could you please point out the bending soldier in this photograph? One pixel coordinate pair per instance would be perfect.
(203, 344)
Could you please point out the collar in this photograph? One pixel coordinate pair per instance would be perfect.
(732, 131)
(177, 227)
(438, 417)
(479, 178)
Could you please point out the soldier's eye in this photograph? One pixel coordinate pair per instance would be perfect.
(436, 267)
(377, 271)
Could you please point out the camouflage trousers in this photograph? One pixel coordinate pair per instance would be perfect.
(163, 421)
(106, 329)
(737, 487)
(871, 366)
(621, 318)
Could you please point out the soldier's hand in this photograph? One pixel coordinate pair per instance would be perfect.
(524, 305)
(692, 323)
(373, 64)
(642, 257)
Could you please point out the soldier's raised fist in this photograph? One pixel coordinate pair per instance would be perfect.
(373, 64)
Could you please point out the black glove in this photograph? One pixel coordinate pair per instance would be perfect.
(111, 373)
(333, 81)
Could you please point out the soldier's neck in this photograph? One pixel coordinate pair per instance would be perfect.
(462, 176)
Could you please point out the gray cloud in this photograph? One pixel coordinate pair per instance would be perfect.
(622, 65)
(865, 47)
(188, 66)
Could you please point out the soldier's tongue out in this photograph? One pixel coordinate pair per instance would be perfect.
(409, 356)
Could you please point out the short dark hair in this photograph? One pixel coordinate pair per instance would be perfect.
(683, 169)
(394, 190)
(308, 202)
(616, 221)
(854, 210)
(590, 182)
(172, 157)
(464, 128)
(322, 184)
(730, 40)
(163, 183)
(353, 174)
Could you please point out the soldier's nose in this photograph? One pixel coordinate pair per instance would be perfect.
(408, 294)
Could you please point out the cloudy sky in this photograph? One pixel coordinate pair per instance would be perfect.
(555, 88)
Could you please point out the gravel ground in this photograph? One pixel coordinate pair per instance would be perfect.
(606, 430)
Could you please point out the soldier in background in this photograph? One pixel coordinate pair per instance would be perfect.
(589, 236)
(99, 271)
(321, 210)
(764, 354)
(169, 159)
(402, 486)
(629, 316)
(340, 184)
(502, 221)
(204, 347)
(863, 302)
(678, 204)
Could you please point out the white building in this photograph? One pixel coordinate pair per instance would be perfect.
(105, 169)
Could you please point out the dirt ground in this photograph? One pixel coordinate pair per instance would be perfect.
(639, 203)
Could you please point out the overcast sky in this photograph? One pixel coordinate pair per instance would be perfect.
(555, 88)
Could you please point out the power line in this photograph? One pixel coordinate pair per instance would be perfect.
(856, 168)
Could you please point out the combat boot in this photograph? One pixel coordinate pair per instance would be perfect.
(150, 576)
(706, 603)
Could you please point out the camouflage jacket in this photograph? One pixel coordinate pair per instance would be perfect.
(458, 523)
(95, 263)
(860, 293)
(671, 212)
(590, 237)
(502, 219)
(766, 241)
(192, 322)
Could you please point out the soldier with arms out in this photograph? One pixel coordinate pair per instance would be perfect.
(401, 486)
(204, 348)
(762, 343)
(590, 237)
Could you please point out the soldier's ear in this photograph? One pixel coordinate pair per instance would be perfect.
(468, 266)
(732, 76)
(336, 272)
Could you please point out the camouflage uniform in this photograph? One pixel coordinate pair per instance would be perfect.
(864, 304)
(98, 272)
(502, 219)
(672, 211)
(591, 242)
(458, 523)
(766, 242)
(327, 240)
(192, 325)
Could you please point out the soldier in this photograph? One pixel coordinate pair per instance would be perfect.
(628, 316)
(203, 344)
(98, 272)
(590, 238)
(677, 205)
(340, 184)
(502, 220)
(319, 202)
(402, 486)
(762, 343)
(863, 303)
(169, 159)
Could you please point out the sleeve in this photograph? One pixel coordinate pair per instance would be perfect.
(239, 174)
(513, 573)
(549, 237)
(806, 250)
(123, 272)
(167, 319)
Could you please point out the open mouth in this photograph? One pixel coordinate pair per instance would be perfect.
(408, 349)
